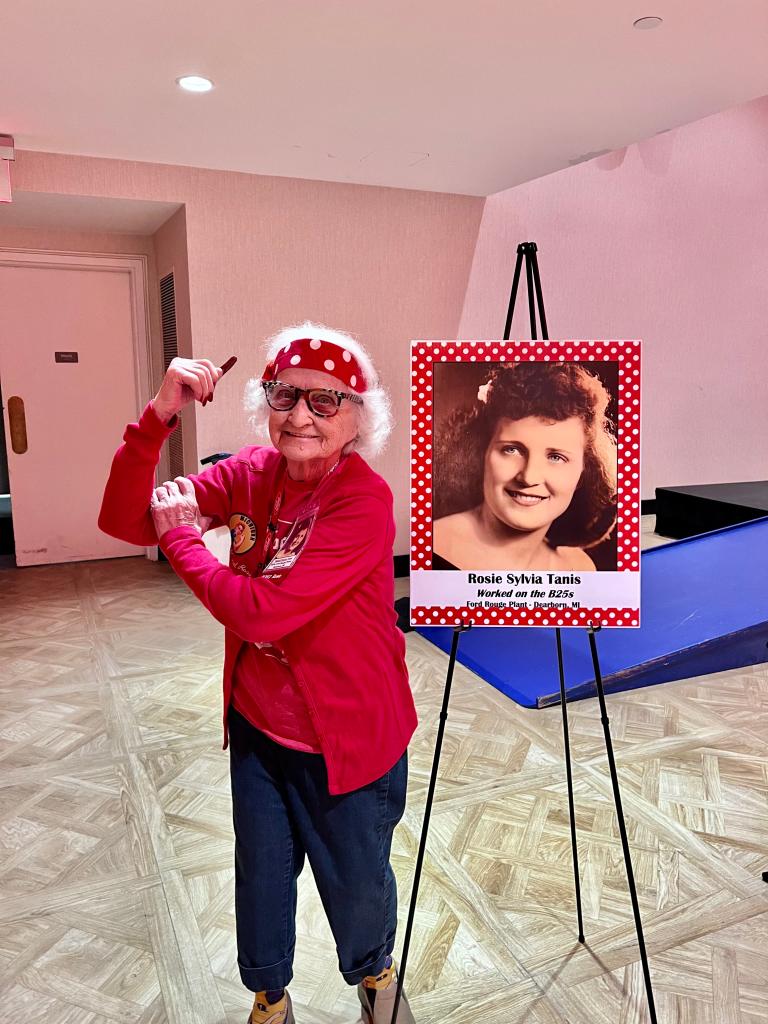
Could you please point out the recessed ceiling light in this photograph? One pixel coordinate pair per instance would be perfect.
(645, 23)
(195, 83)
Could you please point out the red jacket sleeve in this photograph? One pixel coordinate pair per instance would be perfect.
(125, 510)
(348, 541)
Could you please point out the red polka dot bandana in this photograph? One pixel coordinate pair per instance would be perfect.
(316, 354)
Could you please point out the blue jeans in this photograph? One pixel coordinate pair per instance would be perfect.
(282, 812)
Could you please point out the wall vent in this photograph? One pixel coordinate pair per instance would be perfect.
(170, 351)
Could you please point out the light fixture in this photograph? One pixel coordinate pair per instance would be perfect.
(647, 23)
(194, 83)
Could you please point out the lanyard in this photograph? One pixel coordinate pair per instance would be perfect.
(271, 531)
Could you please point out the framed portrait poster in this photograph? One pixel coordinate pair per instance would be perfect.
(525, 483)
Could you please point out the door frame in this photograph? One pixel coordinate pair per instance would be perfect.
(136, 268)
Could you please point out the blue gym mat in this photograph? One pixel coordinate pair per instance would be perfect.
(704, 609)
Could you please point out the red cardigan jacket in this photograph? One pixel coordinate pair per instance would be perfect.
(332, 613)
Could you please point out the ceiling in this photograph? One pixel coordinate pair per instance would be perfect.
(467, 97)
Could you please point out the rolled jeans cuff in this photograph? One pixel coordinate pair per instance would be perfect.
(267, 979)
(371, 969)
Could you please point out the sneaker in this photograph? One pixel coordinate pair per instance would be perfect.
(377, 998)
(280, 1012)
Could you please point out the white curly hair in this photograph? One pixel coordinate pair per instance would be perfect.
(375, 414)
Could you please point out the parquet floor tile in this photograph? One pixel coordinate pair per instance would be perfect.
(116, 868)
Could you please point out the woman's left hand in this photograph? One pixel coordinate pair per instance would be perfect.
(173, 504)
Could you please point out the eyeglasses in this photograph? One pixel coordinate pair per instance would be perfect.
(320, 401)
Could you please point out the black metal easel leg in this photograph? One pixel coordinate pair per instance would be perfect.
(530, 255)
(427, 812)
(513, 293)
(591, 631)
(537, 284)
(569, 776)
(527, 251)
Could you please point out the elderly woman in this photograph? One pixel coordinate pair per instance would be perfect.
(526, 477)
(317, 707)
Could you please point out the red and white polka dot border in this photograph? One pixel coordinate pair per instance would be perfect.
(438, 615)
(424, 354)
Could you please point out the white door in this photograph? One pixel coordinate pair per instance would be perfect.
(76, 412)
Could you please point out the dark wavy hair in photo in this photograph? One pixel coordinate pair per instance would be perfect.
(550, 391)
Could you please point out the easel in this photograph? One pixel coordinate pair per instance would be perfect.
(527, 251)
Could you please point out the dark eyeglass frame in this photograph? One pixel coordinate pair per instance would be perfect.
(306, 393)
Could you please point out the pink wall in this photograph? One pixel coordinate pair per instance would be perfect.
(171, 256)
(666, 241)
(387, 264)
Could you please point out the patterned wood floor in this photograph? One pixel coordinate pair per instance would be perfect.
(116, 849)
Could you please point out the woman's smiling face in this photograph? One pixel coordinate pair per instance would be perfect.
(302, 436)
(532, 468)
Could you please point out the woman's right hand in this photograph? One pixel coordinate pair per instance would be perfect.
(185, 381)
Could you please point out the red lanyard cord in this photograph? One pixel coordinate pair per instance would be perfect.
(271, 530)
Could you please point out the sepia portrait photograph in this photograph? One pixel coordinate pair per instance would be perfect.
(524, 473)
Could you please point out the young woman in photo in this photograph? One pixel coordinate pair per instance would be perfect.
(526, 477)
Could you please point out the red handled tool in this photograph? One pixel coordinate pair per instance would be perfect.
(225, 367)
